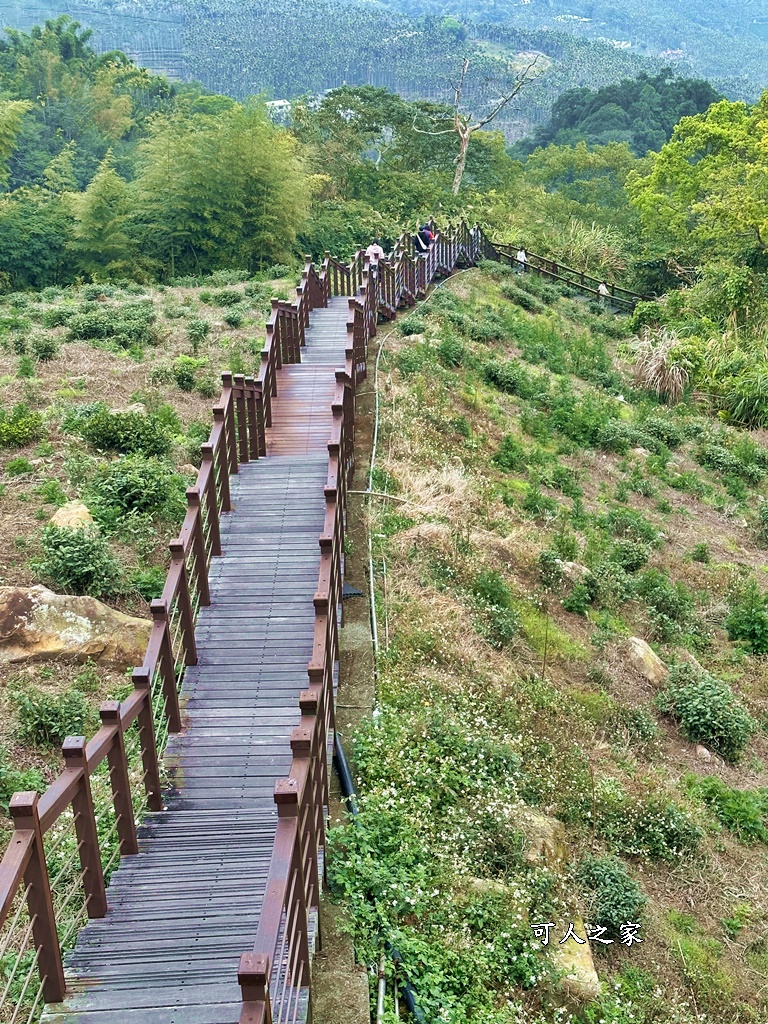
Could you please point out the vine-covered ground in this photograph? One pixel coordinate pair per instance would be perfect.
(533, 513)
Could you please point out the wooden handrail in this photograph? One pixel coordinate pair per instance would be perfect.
(238, 435)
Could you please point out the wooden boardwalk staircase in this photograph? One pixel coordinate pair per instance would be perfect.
(207, 912)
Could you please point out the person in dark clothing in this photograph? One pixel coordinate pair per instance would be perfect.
(419, 245)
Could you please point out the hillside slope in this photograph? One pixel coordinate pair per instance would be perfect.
(541, 515)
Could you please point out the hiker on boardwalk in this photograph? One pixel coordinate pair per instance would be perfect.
(521, 261)
(373, 254)
(426, 235)
(604, 293)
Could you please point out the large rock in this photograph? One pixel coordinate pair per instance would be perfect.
(38, 625)
(579, 977)
(646, 661)
(545, 839)
(73, 516)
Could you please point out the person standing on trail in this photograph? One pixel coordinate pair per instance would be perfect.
(521, 261)
(604, 293)
(373, 254)
(425, 234)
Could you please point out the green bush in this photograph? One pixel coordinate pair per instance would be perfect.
(124, 432)
(18, 467)
(13, 780)
(46, 719)
(521, 298)
(511, 455)
(184, 372)
(135, 483)
(27, 367)
(450, 352)
(234, 319)
(748, 619)
(412, 323)
(651, 827)
(671, 608)
(707, 710)
(629, 554)
(197, 331)
(78, 562)
(743, 811)
(226, 297)
(501, 622)
(614, 897)
(132, 324)
(550, 570)
(57, 317)
(44, 347)
(413, 359)
(148, 582)
(20, 426)
(513, 378)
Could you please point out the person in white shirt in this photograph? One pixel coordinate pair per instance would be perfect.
(604, 293)
(374, 253)
(521, 261)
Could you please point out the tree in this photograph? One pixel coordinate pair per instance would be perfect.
(11, 115)
(707, 190)
(465, 125)
(99, 239)
(223, 191)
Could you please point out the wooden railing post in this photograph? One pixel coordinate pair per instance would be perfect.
(167, 666)
(228, 403)
(223, 459)
(253, 422)
(242, 418)
(199, 554)
(121, 783)
(253, 976)
(184, 603)
(211, 501)
(23, 811)
(142, 680)
(261, 436)
(287, 800)
(85, 829)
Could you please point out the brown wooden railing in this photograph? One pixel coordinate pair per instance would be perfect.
(87, 816)
(552, 270)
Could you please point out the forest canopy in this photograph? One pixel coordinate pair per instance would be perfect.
(640, 111)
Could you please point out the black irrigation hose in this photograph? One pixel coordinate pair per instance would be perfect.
(349, 793)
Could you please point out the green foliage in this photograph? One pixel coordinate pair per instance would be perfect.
(137, 483)
(44, 347)
(197, 331)
(500, 622)
(14, 780)
(124, 432)
(637, 826)
(614, 897)
(132, 324)
(450, 352)
(707, 711)
(148, 582)
(18, 467)
(641, 112)
(743, 811)
(20, 426)
(511, 456)
(748, 619)
(78, 562)
(46, 719)
(671, 606)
